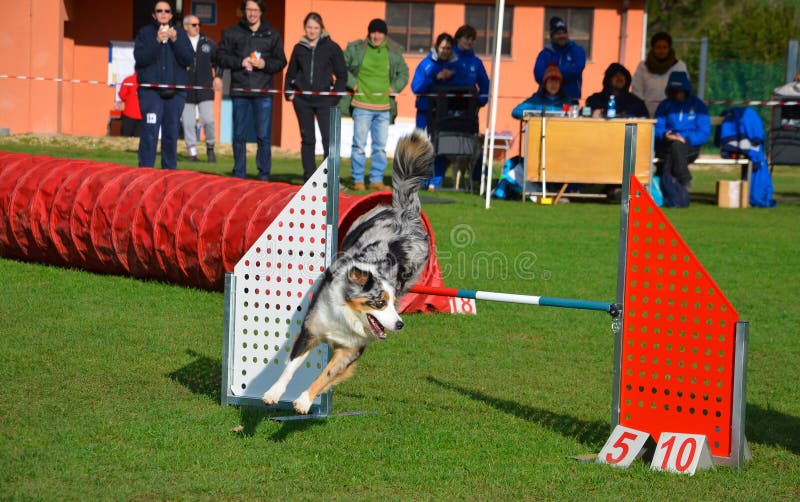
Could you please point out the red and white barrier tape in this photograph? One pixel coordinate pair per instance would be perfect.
(771, 102)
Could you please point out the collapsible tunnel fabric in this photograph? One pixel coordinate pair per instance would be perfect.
(176, 226)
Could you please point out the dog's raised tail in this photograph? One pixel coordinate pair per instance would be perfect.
(413, 164)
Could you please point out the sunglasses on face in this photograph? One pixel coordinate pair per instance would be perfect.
(163, 11)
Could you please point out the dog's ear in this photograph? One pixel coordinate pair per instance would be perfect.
(358, 276)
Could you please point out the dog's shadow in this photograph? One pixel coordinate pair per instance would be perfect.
(203, 376)
(590, 433)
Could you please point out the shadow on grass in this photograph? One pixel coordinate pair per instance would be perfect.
(251, 418)
(202, 376)
(773, 428)
(592, 434)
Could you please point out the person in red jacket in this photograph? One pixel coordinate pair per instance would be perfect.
(131, 115)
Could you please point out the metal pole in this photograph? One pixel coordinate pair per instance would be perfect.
(792, 60)
(542, 301)
(628, 165)
(701, 78)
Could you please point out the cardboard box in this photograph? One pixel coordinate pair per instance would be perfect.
(733, 194)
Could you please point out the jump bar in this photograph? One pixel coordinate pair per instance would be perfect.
(544, 301)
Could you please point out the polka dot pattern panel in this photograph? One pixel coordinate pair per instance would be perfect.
(678, 337)
(274, 285)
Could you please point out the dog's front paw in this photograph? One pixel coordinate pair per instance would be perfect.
(272, 396)
(302, 404)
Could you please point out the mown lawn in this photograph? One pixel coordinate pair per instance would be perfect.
(111, 385)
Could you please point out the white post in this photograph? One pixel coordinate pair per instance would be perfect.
(498, 44)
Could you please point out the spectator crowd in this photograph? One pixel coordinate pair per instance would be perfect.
(363, 80)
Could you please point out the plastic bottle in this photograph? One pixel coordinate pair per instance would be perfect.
(611, 112)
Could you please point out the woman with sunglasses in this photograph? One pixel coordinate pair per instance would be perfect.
(162, 52)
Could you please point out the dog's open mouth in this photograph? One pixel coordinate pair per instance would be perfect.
(377, 327)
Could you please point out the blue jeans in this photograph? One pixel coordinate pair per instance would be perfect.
(261, 109)
(377, 125)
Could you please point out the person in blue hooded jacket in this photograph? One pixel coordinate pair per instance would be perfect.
(469, 72)
(437, 69)
(566, 54)
(682, 126)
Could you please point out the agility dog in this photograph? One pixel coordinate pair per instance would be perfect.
(381, 257)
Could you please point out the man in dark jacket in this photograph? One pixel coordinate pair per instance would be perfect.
(617, 83)
(253, 52)
(200, 102)
(162, 53)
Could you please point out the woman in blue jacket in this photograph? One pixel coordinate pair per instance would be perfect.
(471, 73)
(682, 126)
(437, 69)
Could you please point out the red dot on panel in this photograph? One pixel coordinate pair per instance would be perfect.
(247, 263)
(313, 212)
(302, 197)
(324, 213)
(302, 211)
(311, 240)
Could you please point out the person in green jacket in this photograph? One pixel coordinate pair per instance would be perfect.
(375, 70)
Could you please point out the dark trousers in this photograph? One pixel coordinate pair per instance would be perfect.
(131, 126)
(159, 113)
(675, 158)
(306, 108)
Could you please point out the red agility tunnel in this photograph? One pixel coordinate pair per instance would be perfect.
(176, 226)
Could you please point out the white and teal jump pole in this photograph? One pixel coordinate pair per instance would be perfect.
(542, 301)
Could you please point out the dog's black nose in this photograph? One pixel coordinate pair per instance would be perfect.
(399, 326)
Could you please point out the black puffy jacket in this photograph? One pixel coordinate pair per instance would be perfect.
(239, 42)
(319, 68)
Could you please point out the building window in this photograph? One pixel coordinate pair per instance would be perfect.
(481, 17)
(411, 25)
(580, 22)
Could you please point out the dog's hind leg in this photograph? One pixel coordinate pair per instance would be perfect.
(339, 368)
(302, 347)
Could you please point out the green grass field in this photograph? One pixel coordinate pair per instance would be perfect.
(111, 385)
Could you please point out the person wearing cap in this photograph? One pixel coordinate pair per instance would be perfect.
(617, 82)
(376, 69)
(549, 98)
(566, 54)
(682, 126)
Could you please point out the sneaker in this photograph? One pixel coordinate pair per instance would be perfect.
(194, 158)
(359, 187)
(212, 159)
(263, 177)
(378, 186)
